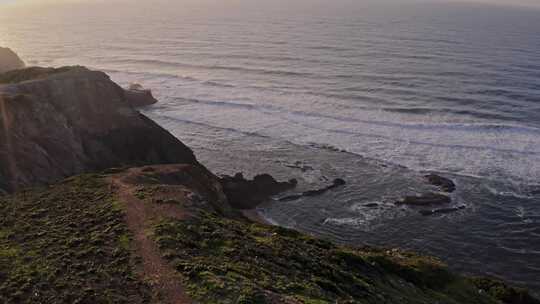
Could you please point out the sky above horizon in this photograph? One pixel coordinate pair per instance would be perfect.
(498, 2)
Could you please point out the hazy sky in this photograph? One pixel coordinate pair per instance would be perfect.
(499, 2)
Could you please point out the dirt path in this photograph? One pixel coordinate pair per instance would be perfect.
(162, 277)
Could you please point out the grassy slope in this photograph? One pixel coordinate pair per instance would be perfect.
(229, 261)
(69, 244)
(66, 244)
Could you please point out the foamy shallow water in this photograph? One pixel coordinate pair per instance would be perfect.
(448, 88)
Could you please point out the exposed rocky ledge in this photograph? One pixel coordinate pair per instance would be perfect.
(60, 122)
(93, 228)
(247, 194)
(137, 96)
(425, 199)
(9, 60)
(446, 184)
(338, 182)
(433, 199)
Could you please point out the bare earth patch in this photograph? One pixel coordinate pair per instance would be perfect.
(139, 215)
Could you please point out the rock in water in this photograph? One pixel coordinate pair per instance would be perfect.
(60, 122)
(441, 211)
(425, 199)
(248, 194)
(446, 185)
(9, 60)
(371, 205)
(137, 96)
(338, 182)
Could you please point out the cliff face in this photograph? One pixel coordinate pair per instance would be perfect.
(139, 97)
(60, 122)
(98, 238)
(9, 60)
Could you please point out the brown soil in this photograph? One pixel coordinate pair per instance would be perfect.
(139, 215)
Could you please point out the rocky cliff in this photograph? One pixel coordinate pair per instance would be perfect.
(9, 60)
(167, 233)
(60, 122)
(137, 96)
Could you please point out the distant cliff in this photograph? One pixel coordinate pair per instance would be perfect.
(59, 122)
(9, 60)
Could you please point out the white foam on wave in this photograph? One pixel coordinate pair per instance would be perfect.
(415, 115)
(490, 150)
(364, 221)
(487, 148)
(361, 207)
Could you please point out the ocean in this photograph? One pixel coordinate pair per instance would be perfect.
(376, 94)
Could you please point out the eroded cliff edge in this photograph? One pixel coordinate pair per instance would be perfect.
(60, 122)
(165, 233)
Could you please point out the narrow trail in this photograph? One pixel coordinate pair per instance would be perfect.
(139, 214)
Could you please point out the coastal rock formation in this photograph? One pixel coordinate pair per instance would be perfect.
(434, 199)
(9, 60)
(446, 185)
(60, 122)
(336, 183)
(425, 199)
(100, 237)
(300, 166)
(137, 96)
(182, 185)
(371, 205)
(247, 194)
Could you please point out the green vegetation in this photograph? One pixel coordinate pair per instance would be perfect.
(69, 243)
(230, 261)
(503, 292)
(66, 244)
(145, 192)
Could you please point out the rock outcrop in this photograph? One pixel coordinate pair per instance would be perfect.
(446, 184)
(338, 182)
(60, 122)
(9, 60)
(248, 194)
(425, 200)
(184, 186)
(137, 96)
(172, 223)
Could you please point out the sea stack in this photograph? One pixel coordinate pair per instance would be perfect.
(137, 96)
(9, 60)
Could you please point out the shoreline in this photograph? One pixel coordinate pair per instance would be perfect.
(221, 233)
